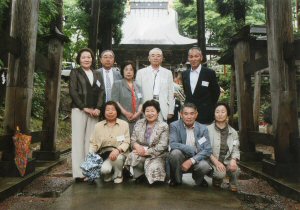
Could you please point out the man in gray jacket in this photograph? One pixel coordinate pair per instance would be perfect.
(190, 147)
(109, 74)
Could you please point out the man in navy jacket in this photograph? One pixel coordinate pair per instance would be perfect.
(201, 87)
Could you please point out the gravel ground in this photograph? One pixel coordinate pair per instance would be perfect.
(254, 193)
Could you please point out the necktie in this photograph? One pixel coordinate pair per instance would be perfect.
(155, 75)
(108, 87)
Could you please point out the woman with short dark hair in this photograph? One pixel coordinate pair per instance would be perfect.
(149, 144)
(128, 95)
(111, 140)
(87, 96)
(225, 145)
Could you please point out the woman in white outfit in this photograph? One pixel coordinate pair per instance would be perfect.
(87, 94)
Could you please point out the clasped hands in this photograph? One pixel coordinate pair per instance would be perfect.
(92, 112)
(130, 116)
(140, 150)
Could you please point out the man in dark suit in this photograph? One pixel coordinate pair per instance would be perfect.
(190, 147)
(200, 86)
(109, 74)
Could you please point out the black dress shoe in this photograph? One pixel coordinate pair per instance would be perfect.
(141, 179)
(204, 183)
(173, 183)
(79, 179)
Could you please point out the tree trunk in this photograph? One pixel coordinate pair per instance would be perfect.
(105, 28)
(244, 97)
(24, 22)
(282, 77)
(94, 23)
(201, 28)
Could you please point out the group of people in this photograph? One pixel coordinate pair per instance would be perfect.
(133, 133)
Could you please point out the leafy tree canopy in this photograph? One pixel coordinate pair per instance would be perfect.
(219, 27)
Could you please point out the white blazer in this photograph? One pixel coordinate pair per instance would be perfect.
(145, 79)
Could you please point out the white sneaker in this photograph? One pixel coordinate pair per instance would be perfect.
(118, 180)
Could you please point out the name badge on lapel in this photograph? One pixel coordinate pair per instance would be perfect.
(205, 83)
(202, 140)
(121, 138)
(98, 83)
(139, 95)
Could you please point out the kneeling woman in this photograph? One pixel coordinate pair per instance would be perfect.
(111, 140)
(149, 142)
(225, 145)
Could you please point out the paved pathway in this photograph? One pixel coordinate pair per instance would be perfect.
(130, 195)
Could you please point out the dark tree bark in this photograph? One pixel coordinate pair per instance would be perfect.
(282, 77)
(244, 97)
(201, 28)
(94, 24)
(19, 90)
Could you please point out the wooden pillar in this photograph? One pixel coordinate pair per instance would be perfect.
(201, 28)
(53, 79)
(282, 83)
(94, 23)
(257, 91)
(244, 99)
(256, 101)
(24, 21)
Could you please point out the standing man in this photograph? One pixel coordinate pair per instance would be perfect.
(157, 83)
(190, 147)
(109, 74)
(201, 87)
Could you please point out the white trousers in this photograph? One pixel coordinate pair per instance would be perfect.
(82, 127)
(113, 169)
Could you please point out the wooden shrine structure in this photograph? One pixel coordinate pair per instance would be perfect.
(249, 55)
(275, 51)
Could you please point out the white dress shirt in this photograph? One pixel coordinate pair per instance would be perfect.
(194, 76)
(190, 139)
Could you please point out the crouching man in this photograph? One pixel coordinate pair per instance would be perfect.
(190, 147)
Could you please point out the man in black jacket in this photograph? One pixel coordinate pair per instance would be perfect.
(200, 86)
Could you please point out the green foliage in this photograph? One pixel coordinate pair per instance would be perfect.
(38, 100)
(1, 63)
(237, 8)
(47, 14)
(113, 12)
(77, 14)
(187, 19)
(76, 28)
(4, 13)
(219, 27)
(224, 82)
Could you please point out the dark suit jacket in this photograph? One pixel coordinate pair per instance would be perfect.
(83, 94)
(203, 149)
(204, 97)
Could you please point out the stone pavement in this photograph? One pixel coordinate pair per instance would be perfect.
(130, 195)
